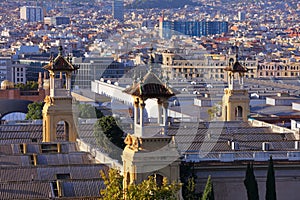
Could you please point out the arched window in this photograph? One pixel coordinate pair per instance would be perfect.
(239, 113)
(62, 131)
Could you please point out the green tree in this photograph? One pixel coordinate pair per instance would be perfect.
(190, 188)
(106, 130)
(35, 111)
(30, 85)
(215, 111)
(251, 184)
(208, 193)
(113, 182)
(88, 111)
(270, 183)
(188, 177)
(146, 190)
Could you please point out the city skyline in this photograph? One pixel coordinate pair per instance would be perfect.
(190, 91)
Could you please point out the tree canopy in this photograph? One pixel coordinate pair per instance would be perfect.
(88, 111)
(107, 133)
(188, 177)
(30, 85)
(208, 193)
(147, 190)
(35, 111)
(270, 183)
(251, 184)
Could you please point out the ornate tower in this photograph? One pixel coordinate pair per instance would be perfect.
(235, 102)
(58, 105)
(150, 150)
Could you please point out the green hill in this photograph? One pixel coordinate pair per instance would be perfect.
(146, 4)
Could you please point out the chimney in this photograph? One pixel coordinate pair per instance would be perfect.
(206, 95)
(265, 146)
(297, 145)
(34, 156)
(59, 188)
(24, 148)
(58, 148)
(235, 146)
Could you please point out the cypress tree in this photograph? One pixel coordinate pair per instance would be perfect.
(208, 193)
(251, 184)
(270, 184)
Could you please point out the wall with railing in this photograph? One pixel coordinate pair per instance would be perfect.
(99, 156)
(242, 156)
(274, 128)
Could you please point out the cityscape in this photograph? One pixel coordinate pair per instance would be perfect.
(154, 100)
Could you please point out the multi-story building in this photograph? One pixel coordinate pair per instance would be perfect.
(32, 13)
(95, 68)
(208, 66)
(18, 73)
(278, 69)
(192, 28)
(5, 68)
(56, 21)
(118, 10)
(241, 16)
(32, 67)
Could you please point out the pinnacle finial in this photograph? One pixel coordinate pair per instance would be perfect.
(60, 49)
(151, 60)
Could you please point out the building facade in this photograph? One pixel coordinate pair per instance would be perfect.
(193, 28)
(56, 21)
(208, 66)
(118, 10)
(278, 69)
(5, 68)
(32, 13)
(95, 68)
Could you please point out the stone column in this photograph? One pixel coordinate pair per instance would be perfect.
(165, 115)
(159, 113)
(142, 107)
(52, 84)
(136, 110)
(68, 83)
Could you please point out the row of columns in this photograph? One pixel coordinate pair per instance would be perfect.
(231, 80)
(53, 87)
(139, 112)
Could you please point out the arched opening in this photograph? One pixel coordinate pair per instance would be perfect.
(62, 131)
(239, 113)
(158, 179)
(127, 178)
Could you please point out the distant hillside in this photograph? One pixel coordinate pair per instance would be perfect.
(161, 3)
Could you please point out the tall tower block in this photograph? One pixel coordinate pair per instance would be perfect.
(235, 102)
(150, 150)
(118, 10)
(58, 105)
